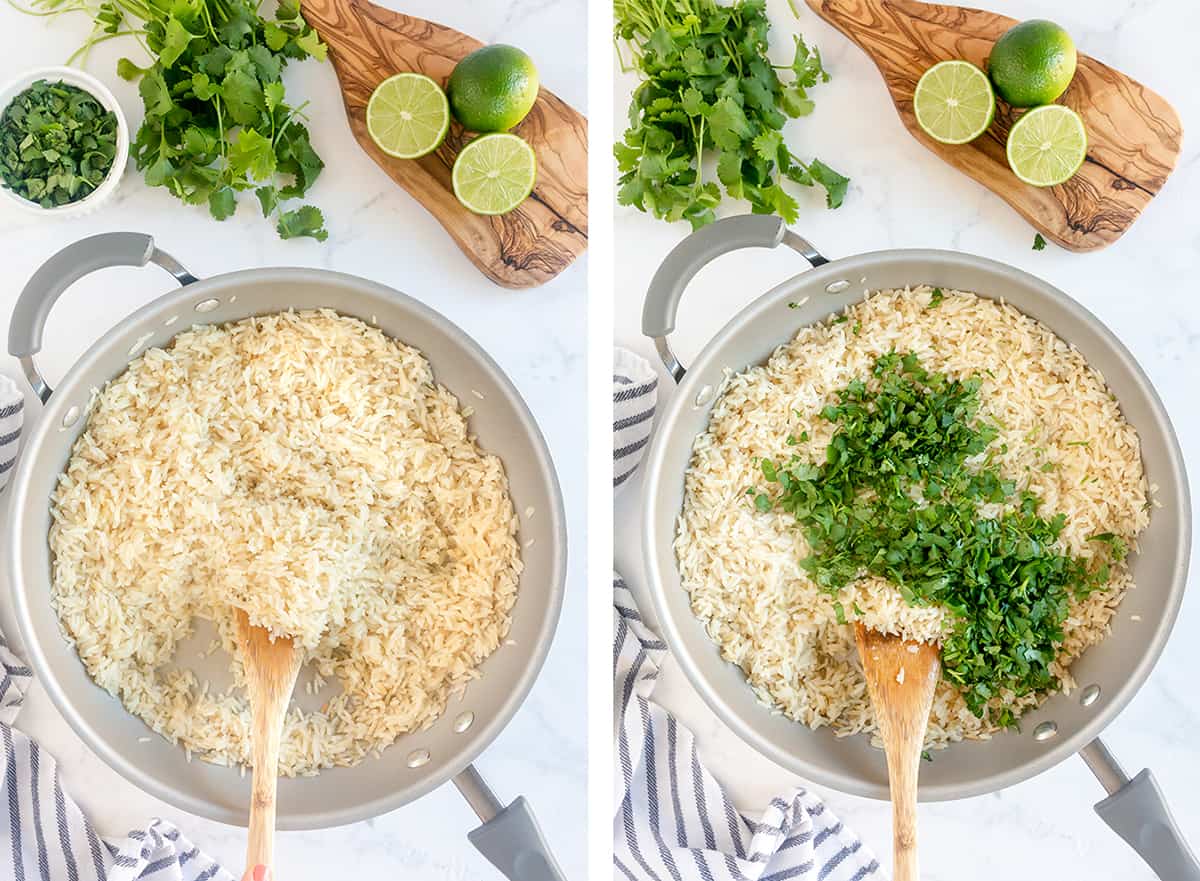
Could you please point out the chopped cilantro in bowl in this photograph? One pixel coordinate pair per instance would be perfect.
(63, 141)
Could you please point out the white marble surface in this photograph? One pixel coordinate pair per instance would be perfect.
(376, 231)
(1144, 287)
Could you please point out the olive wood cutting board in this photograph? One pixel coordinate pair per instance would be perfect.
(524, 248)
(1134, 135)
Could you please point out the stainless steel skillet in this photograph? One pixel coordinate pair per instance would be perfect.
(1109, 674)
(417, 762)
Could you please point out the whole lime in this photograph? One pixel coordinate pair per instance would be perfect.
(1032, 63)
(493, 88)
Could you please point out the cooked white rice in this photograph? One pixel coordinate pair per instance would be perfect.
(308, 469)
(741, 567)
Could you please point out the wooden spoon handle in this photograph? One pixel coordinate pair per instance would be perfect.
(904, 762)
(269, 715)
(901, 679)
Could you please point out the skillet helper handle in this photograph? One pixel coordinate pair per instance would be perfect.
(1136, 810)
(693, 254)
(63, 270)
(510, 837)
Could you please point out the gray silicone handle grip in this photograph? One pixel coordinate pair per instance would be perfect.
(1139, 814)
(692, 254)
(513, 843)
(63, 270)
(60, 272)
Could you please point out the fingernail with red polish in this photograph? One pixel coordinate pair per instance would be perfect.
(260, 873)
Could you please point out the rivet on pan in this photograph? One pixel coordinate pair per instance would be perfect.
(417, 758)
(1045, 731)
(207, 305)
(836, 287)
(70, 417)
(137, 346)
(1090, 695)
(704, 396)
(463, 721)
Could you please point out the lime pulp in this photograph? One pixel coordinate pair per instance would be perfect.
(954, 102)
(494, 173)
(408, 115)
(1047, 145)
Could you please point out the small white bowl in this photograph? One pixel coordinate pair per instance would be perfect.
(100, 92)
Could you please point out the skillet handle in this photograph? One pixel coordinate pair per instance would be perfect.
(60, 272)
(1136, 810)
(693, 254)
(510, 837)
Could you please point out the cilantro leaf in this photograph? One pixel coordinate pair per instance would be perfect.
(768, 144)
(252, 156)
(222, 203)
(1039, 243)
(312, 45)
(175, 42)
(728, 124)
(303, 221)
(268, 199)
(835, 184)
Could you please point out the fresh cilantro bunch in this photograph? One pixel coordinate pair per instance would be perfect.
(57, 144)
(709, 87)
(899, 497)
(216, 117)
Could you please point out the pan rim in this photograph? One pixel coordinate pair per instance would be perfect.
(672, 625)
(481, 736)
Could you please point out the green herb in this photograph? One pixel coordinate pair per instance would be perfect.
(857, 611)
(216, 122)
(1048, 466)
(935, 299)
(708, 87)
(1039, 243)
(57, 144)
(841, 319)
(896, 498)
(839, 612)
(926, 756)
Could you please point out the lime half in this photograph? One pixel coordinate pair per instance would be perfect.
(954, 102)
(408, 115)
(1047, 145)
(494, 173)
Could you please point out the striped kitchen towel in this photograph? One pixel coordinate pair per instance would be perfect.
(12, 411)
(635, 392)
(45, 837)
(676, 823)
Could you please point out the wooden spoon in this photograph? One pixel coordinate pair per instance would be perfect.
(271, 668)
(901, 677)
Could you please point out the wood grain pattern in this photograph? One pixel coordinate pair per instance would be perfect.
(271, 668)
(528, 246)
(901, 677)
(1134, 135)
